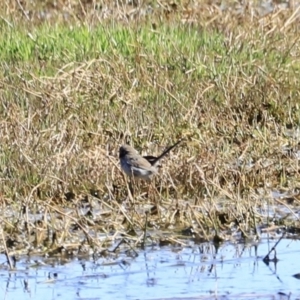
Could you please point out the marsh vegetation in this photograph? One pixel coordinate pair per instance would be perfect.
(80, 78)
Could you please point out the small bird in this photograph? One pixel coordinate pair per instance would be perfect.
(143, 167)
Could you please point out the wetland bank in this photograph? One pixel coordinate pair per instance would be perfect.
(79, 79)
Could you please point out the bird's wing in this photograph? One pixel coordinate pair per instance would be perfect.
(140, 167)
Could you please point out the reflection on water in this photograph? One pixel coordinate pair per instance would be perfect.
(197, 272)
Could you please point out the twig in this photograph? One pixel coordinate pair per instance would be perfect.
(6, 251)
(23, 11)
(266, 258)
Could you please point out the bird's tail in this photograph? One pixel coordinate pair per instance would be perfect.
(154, 160)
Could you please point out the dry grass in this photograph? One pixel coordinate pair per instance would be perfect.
(72, 93)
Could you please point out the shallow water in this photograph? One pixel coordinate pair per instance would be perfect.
(197, 272)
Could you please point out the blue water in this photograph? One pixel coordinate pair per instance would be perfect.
(196, 272)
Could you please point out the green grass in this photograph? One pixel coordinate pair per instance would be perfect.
(72, 92)
(139, 79)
